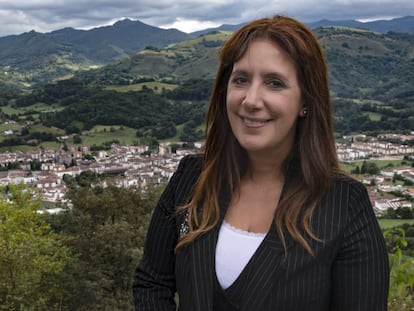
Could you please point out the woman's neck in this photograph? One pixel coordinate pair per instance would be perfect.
(265, 169)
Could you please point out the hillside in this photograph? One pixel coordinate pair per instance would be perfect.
(194, 58)
(157, 91)
(362, 64)
(401, 24)
(33, 58)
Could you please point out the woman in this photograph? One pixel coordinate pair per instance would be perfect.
(264, 219)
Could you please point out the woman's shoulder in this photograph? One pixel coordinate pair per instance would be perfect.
(185, 177)
(190, 164)
(347, 191)
(344, 180)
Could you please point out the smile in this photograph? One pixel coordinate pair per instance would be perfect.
(254, 122)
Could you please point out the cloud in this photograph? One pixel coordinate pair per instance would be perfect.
(187, 15)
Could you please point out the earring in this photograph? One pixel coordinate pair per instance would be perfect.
(305, 112)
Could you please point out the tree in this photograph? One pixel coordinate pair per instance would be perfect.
(77, 139)
(107, 227)
(32, 256)
(356, 170)
(400, 296)
(35, 165)
(87, 178)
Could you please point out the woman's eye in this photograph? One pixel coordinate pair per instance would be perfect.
(276, 84)
(239, 80)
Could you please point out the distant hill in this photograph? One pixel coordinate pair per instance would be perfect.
(224, 27)
(401, 24)
(31, 58)
(358, 60)
(161, 91)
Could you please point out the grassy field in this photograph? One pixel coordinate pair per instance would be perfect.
(348, 167)
(156, 86)
(390, 223)
(101, 134)
(34, 108)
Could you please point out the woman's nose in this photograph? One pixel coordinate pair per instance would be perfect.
(252, 99)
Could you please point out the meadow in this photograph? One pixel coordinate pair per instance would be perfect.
(391, 223)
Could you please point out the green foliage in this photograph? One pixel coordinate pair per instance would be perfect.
(107, 228)
(401, 294)
(190, 132)
(140, 110)
(192, 89)
(32, 256)
(370, 168)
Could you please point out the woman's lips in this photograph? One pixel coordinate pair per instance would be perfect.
(254, 122)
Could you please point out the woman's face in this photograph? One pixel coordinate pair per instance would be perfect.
(264, 100)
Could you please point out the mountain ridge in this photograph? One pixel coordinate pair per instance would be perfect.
(156, 90)
(33, 59)
(398, 24)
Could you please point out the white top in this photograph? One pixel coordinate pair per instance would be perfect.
(234, 249)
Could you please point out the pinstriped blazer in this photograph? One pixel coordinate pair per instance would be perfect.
(349, 270)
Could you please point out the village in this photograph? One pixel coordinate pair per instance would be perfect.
(135, 166)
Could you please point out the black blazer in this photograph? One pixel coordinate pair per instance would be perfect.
(349, 270)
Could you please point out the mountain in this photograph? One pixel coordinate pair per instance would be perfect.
(108, 43)
(224, 27)
(156, 89)
(401, 24)
(357, 59)
(32, 58)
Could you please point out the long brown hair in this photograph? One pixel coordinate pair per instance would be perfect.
(225, 161)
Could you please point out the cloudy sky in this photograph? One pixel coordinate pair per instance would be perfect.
(19, 16)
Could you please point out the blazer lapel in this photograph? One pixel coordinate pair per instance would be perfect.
(202, 270)
(258, 279)
(202, 258)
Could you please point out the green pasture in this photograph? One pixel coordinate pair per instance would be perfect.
(374, 116)
(154, 85)
(10, 126)
(24, 148)
(46, 129)
(391, 223)
(101, 134)
(39, 107)
(349, 166)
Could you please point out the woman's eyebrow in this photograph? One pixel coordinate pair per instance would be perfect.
(239, 72)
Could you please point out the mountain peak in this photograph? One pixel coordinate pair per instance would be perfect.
(125, 22)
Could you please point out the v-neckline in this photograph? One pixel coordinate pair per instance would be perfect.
(271, 239)
(246, 267)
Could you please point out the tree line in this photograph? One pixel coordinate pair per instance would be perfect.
(82, 259)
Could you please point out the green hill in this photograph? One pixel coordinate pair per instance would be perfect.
(362, 64)
(32, 59)
(155, 90)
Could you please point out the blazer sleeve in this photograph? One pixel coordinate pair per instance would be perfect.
(154, 279)
(361, 271)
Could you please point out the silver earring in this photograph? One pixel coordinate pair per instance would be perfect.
(305, 112)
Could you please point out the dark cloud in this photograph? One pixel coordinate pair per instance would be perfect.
(47, 15)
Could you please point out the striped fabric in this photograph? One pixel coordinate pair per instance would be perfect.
(349, 270)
